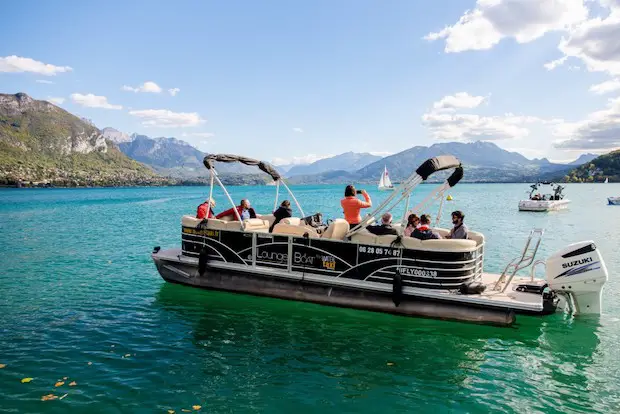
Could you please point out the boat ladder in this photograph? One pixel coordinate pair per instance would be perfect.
(526, 259)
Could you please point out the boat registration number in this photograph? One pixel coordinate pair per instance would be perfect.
(416, 271)
(380, 251)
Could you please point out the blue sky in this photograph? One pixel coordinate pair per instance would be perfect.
(282, 80)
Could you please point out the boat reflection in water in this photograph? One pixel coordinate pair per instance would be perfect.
(256, 348)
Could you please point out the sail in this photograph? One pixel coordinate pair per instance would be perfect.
(382, 181)
(606, 180)
(386, 178)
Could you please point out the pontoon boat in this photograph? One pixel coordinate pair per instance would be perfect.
(547, 201)
(331, 264)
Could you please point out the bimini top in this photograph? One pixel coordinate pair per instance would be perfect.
(440, 163)
(210, 160)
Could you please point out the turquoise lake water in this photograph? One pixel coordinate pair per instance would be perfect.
(80, 298)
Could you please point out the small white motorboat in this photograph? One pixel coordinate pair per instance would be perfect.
(613, 201)
(385, 184)
(551, 200)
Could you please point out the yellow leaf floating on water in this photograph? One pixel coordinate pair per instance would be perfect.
(72, 384)
(65, 378)
(25, 380)
(2, 366)
(170, 411)
(186, 411)
(127, 355)
(59, 384)
(49, 397)
(196, 407)
(90, 363)
(389, 364)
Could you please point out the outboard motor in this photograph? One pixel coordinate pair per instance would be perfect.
(579, 271)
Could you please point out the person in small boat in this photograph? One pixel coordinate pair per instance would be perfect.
(205, 210)
(385, 227)
(244, 209)
(284, 211)
(459, 231)
(424, 232)
(413, 222)
(351, 205)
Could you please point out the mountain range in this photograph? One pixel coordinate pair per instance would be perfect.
(483, 161)
(42, 142)
(349, 161)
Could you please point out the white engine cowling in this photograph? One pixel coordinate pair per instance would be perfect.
(580, 271)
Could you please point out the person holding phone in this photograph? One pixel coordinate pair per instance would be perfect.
(351, 205)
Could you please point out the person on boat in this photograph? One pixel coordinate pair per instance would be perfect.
(205, 210)
(244, 209)
(351, 205)
(284, 211)
(424, 232)
(459, 231)
(413, 222)
(385, 227)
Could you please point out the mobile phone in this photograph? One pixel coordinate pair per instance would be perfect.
(359, 191)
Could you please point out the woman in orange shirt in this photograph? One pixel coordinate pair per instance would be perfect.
(351, 205)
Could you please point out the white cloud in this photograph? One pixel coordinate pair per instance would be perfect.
(299, 130)
(302, 160)
(55, 100)
(555, 63)
(17, 64)
(44, 81)
(595, 42)
(606, 87)
(600, 130)
(198, 134)
(164, 118)
(444, 123)
(93, 101)
(174, 91)
(147, 86)
(493, 20)
(458, 100)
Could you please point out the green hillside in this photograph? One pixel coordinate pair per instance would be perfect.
(605, 166)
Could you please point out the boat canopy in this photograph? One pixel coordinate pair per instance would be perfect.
(439, 163)
(210, 160)
(404, 190)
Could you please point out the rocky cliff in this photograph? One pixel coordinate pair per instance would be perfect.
(42, 143)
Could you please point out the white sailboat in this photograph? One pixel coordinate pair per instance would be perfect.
(385, 184)
(606, 180)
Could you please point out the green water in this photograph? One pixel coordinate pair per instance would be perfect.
(78, 287)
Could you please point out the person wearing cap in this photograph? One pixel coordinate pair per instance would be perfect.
(244, 209)
(459, 231)
(205, 210)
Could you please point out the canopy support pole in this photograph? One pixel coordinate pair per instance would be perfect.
(405, 214)
(211, 172)
(440, 209)
(231, 201)
(294, 198)
(275, 203)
